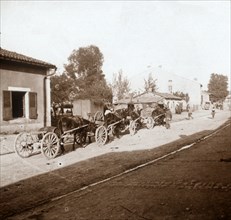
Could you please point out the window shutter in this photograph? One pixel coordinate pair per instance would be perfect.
(7, 106)
(33, 105)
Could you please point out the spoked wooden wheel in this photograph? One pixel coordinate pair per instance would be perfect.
(98, 117)
(101, 135)
(132, 127)
(150, 122)
(50, 145)
(23, 144)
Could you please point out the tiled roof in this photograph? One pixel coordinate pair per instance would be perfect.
(168, 96)
(16, 57)
(152, 99)
(140, 99)
(163, 95)
(123, 101)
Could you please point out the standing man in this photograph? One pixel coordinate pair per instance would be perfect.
(190, 113)
(168, 117)
(213, 112)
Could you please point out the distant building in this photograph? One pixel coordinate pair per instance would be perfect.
(25, 92)
(227, 103)
(152, 99)
(205, 100)
(168, 82)
(149, 98)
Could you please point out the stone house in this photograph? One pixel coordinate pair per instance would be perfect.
(25, 92)
(151, 99)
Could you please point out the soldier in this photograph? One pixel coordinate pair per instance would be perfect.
(213, 112)
(168, 117)
(190, 113)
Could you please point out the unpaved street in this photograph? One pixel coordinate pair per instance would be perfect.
(169, 188)
(191, 184)
(14, 168)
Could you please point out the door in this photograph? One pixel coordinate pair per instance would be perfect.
(7, 106)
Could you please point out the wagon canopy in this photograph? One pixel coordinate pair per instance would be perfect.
(87, 107)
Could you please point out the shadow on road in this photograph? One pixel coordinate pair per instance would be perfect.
(37, 190)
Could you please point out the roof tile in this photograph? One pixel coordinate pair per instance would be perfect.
(13, 56)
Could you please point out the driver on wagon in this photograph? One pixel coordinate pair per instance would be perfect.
(107, 112)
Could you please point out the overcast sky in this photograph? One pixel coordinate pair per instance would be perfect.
(187, 38)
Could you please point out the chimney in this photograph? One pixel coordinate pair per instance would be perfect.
(170, 86)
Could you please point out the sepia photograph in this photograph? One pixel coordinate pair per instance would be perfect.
(115, 110)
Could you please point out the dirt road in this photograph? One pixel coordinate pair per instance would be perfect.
(192, 184)
(14, 168)
(41, 189)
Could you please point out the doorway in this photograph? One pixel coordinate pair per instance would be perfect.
(18, 104)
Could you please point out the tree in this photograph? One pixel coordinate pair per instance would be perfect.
(150, 84)
(182, 95)
(120, 85)
(62, 87)
(85, 69)
(84, 63)
(98, 90)
(218, 87)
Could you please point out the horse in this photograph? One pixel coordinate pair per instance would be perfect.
(124, 115)
(67, 123)
(161, 114)
(158, 114)
(135, 115)
(128, 113)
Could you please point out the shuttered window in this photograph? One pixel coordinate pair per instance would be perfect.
(33, 105)
(7, 105)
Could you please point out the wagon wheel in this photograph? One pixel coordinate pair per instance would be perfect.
(23, 144)
(50, 145)
(132, 127)
(101, 135)
(98, 116)
(150, 122)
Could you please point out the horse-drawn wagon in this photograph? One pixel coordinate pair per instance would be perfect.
(150, 115)
(115, 122)
(105, 130)
(157, 115)
(50, 140)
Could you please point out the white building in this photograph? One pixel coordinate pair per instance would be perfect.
(205, 100)
(169, 83)
(227, 103)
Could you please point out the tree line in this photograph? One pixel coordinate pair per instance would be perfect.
(83, 78)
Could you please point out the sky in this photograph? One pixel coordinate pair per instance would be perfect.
(187, 38)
